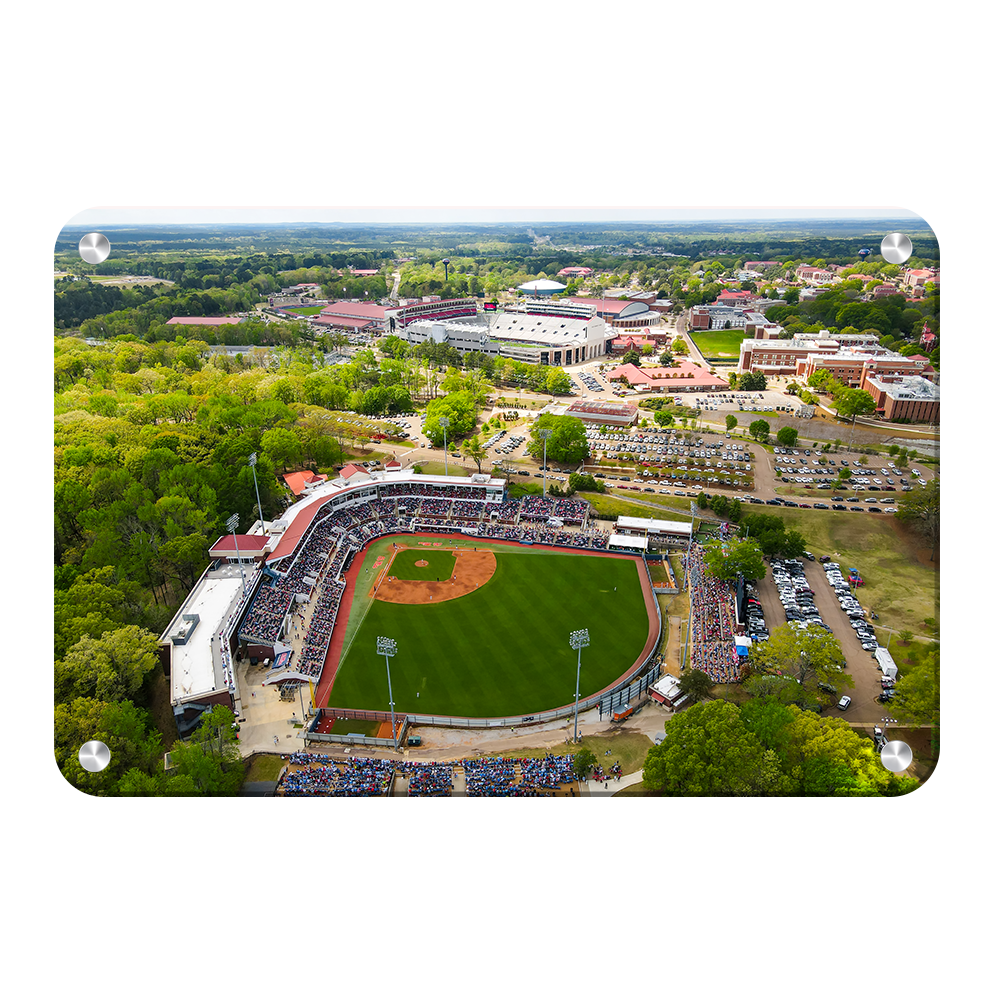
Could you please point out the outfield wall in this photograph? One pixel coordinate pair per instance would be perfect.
(613, 695)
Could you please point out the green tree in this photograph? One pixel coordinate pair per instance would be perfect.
(731, 421)
(729, 560)
(921, 510)
(663, 418)
(282, 447)
(918, 691)
(759, 430)
(631, 357)
(473, 448)
(460, 409)
(809, 655)
(583, 763)
(787, 437)
(695, 683)
(853, 402)
(708, 750)
(107, 668)
(557, 382)
(121, 726)
(568, 442)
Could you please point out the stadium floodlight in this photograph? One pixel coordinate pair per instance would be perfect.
(544, 433)
(443, 424)
(252, 460)
(578, 640)
(387, 647)
(232, 524)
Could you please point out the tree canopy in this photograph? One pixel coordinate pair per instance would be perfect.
(567, 444)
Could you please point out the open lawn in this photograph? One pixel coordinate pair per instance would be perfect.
(609, 506)
(627, 747)
(719, 343)
(502, 650)
(264, 767)
(304, 310)
(901, 583)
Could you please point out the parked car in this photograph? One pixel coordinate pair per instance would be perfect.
(845, 703)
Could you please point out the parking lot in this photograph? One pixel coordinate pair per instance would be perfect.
(865, 706)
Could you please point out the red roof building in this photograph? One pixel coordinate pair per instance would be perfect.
(352, 470)
(682, 377)
(297, 481)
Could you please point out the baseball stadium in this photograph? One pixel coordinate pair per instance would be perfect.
(472, 595)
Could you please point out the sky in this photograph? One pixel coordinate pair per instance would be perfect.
(111, 215)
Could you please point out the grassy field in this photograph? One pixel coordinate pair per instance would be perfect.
(719, 343)
(503, 649)
(900, 581)
(608, 505)
(440, 564)
(264, 767)
(627, 747)
(304, 310)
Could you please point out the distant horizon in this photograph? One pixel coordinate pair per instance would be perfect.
(482, 216)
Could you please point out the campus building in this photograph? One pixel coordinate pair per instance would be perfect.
(685, 376)
(535, 338)
(781, 357)
(627, 314)
(905, 397)
(852, 366)
(604, 413)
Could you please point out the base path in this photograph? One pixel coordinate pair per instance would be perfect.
(473, 567)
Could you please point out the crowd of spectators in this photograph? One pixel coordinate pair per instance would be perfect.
(712, 623)
(427, 779)
(317, 640)
(321, 775)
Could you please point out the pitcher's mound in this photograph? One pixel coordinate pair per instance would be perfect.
(421, 563)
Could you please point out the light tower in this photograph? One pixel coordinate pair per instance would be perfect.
(443, 423)
(387, 647)
(578, 640)
(260, 510)
(232, 524)
(545, 433)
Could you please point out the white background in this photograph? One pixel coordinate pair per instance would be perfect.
(524, 107)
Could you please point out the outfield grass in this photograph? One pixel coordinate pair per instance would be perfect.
(440, 564)
(503, 649)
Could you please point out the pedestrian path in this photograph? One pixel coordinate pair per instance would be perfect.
(597, 787)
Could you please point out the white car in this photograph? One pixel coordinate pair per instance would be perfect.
(845, 703)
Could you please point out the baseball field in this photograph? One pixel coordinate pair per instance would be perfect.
(500, 648)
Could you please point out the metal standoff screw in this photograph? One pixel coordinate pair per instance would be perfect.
(94, 248)
(896, 756)
(94, 756)
(896, 248)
